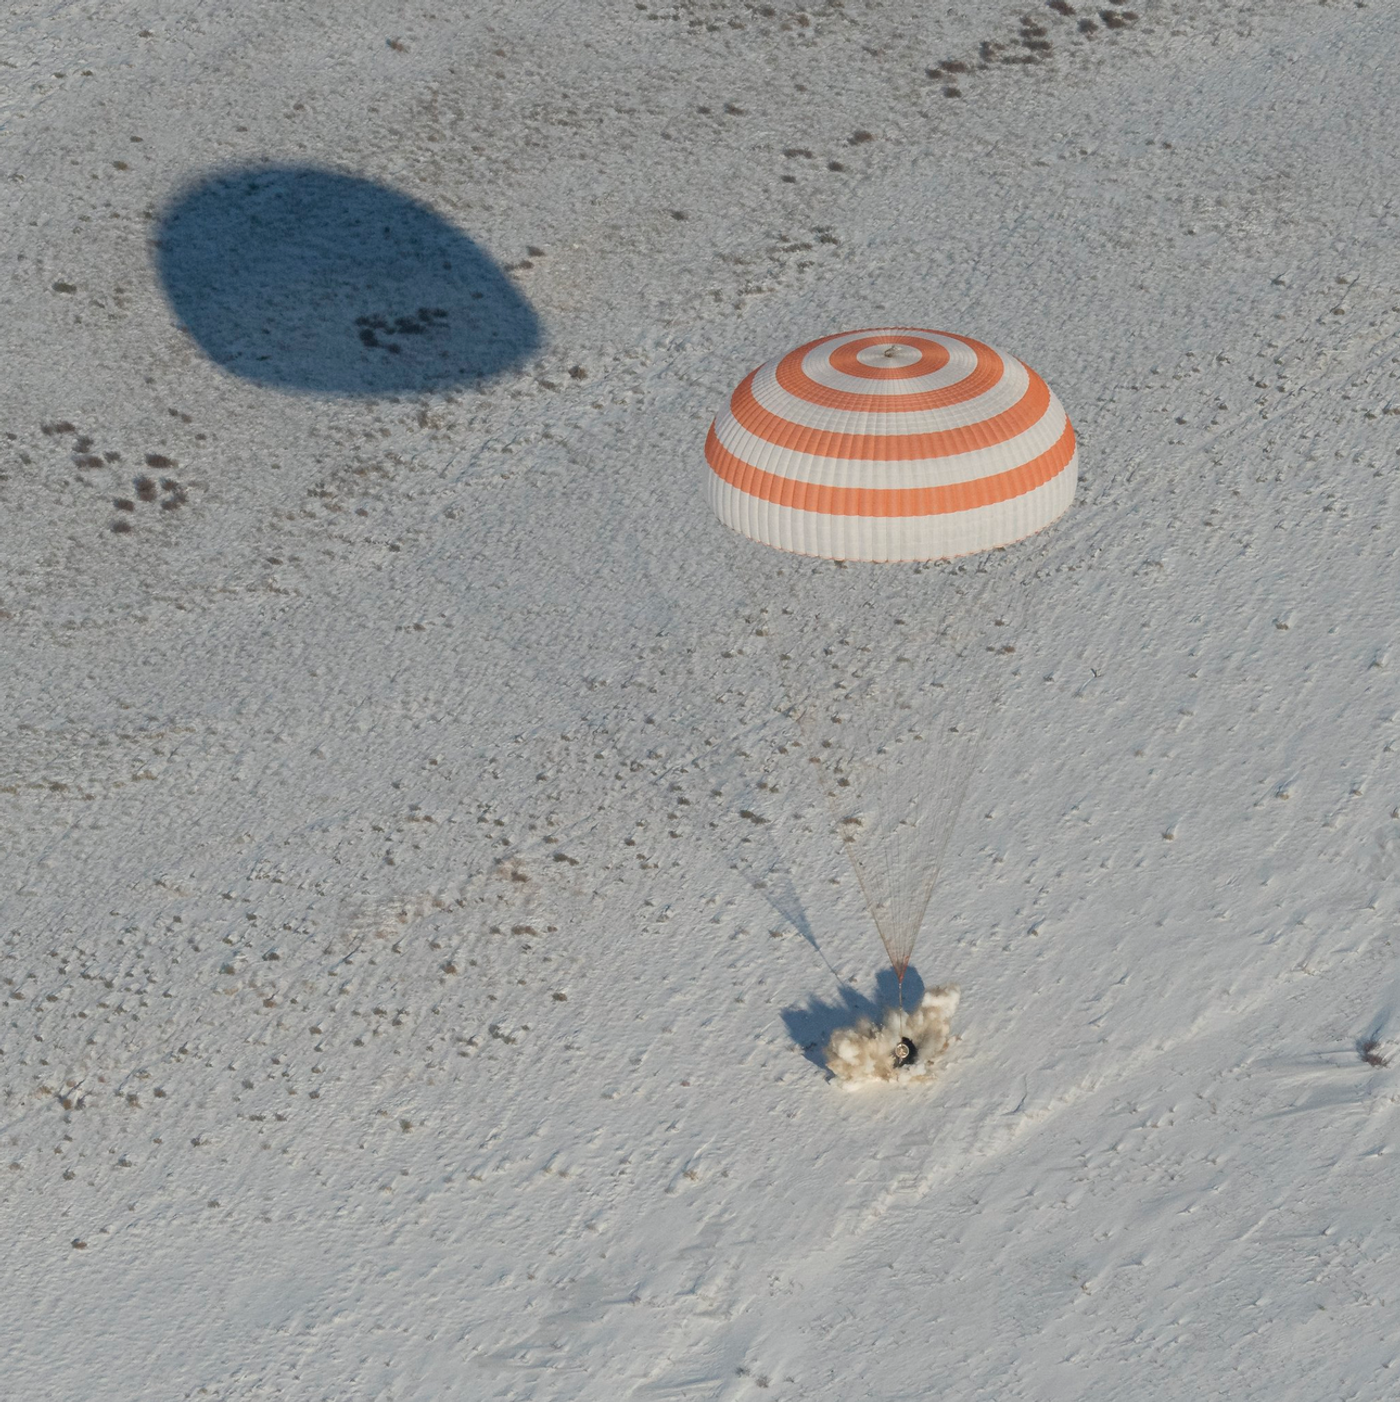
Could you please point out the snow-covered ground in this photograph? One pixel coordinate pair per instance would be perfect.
(403, 998)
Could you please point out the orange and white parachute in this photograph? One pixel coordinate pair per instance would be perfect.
(888, 445)
(891, 444)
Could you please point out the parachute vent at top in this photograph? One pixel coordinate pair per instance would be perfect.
(891, 444)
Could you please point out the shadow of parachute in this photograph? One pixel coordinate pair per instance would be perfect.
(309, 280)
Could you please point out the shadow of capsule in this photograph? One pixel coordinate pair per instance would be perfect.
(810, 1025)
(309, 280)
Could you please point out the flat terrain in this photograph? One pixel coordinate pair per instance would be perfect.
(415, 926)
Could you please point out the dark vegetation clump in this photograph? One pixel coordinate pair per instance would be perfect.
(427, 319)
(145, 488)
(121, 526)
(1062, 7)
(1369, 1050)
(1033, 36)
(159, 461)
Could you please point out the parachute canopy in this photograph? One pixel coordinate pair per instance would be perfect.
(891, 444)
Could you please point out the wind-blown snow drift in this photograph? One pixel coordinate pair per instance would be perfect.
(868, 1052)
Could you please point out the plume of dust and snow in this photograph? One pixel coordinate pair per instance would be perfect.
(904, 1047)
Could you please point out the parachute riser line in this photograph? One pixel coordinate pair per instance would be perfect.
(878, 867)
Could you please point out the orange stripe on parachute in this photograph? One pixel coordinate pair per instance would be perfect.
(890, 447)
(892, 501)
(985, 375)
(933, 356)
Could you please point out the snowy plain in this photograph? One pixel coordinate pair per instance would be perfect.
(392, 1007)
